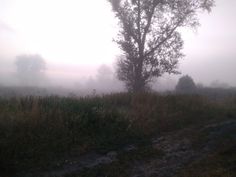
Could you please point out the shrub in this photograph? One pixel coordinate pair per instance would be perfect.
(185, 85)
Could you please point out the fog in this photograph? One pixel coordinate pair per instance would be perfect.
(75, 39)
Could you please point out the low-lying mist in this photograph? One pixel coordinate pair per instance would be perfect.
(32, 75)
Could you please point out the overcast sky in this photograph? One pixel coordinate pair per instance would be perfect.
(79, 33)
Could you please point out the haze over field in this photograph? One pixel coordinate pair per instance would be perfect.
(117, 88)
(75, 38)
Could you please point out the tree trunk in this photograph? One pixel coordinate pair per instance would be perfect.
(139, 84)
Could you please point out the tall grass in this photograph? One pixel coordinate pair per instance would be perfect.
(35, 131)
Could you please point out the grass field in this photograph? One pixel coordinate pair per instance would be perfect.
(35, 131)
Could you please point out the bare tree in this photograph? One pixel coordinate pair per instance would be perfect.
(150, 39)
(30, 69)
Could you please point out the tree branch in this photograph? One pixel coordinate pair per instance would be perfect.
(164, 40)
(148, 23)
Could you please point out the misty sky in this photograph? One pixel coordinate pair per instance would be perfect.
(75, 37)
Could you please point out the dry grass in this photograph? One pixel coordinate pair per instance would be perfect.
(35, 131)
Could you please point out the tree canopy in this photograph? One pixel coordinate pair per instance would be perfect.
(149, 36)
(185, 85)
(30, 69)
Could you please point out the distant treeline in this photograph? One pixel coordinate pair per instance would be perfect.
(19, 91)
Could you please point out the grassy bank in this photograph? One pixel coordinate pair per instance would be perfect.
(36, 131)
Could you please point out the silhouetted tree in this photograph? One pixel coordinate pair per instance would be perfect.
(30, 69)
(106, 82)
(219, 84)
(104, 73)
(185, 85)
(149, 36)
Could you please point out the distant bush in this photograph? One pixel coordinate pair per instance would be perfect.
(185, 85)
(30, 69)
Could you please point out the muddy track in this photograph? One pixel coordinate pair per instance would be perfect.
(177, 148)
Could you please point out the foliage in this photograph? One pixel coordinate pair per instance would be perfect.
(185, 85)
(30, 68)
(149, 36)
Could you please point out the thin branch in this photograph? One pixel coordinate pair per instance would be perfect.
(164, 40)
(148, 23)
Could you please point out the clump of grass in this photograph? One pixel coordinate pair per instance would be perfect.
(153, 113)
(220, 163)
(38, 130)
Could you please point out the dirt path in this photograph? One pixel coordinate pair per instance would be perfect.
(177, 148)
